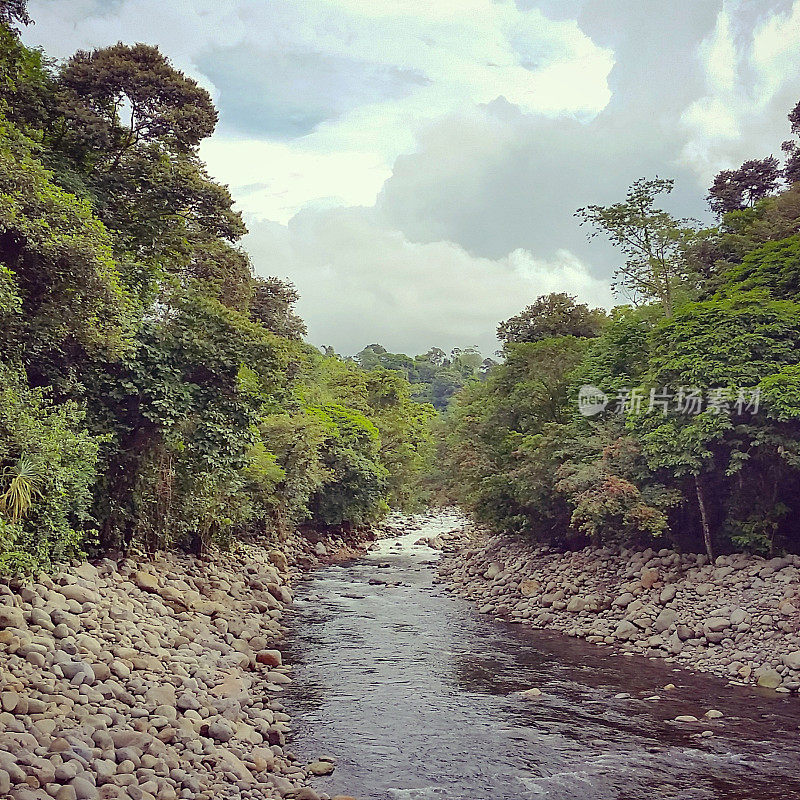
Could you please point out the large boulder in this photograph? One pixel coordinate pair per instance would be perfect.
(626, 630)
(665, 620)
(768, 678)
(11, 617)
(576, 604)
(649, 578)
(792, 660)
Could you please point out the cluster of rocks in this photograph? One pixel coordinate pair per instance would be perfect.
(738, 617)
(152, 680)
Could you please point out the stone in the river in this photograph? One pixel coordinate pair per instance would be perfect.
(278, 559)
(221, 730)
(626, 630)
(320, 768)
(625, 599)
(576, 604)
(714, 714)
(531, 694)
(306, 793)
(687, 718)
(665, 620)
(649, 578)
(11, 617)
(668, 594)
(271, 658)
(792, 660)
(768, 678)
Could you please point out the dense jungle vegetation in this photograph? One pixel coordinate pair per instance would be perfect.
(698, 445)
(153, 391)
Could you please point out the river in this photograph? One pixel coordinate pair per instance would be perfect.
(416, 696)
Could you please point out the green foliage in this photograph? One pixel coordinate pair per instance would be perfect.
(653, 242)
(181, 407)
(722, 476)
(556, 314)
(121, 98)
(435, 376)
(774, 267)
(47, 463)
(65, 273)
(354, 489)
(502, 437)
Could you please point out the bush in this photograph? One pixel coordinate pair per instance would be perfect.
(47, 463)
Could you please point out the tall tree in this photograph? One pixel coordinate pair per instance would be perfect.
(13, 11)
(555, 314)
(125, 97)
(736, 189)
(653, 241)
(792, 149)
(273, 305)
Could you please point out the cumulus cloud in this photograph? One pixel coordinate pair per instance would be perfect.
(344, 76)
(751, 65)
(362, 282)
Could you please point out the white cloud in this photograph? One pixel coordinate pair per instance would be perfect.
(750, 78)
(272, 180)
(361, 282)
(466, 52)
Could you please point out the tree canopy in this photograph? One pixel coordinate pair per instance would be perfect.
(155, 392)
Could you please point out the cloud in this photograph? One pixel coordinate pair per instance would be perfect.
(751, 65)
(361, 282)
(292, 92)
(345, 77)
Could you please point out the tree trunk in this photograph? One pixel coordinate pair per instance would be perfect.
(701, 501)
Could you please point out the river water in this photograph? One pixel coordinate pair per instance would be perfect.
(415, 695)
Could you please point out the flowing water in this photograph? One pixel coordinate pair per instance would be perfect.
(415, 695)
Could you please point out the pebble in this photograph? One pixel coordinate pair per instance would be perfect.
(149, 681)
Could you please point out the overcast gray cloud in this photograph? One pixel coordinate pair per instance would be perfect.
(414, 168)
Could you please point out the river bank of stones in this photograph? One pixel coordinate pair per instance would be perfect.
(738, 617)
(152, 680)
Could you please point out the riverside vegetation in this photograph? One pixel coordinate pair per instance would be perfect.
(155, 393)
(159, 407)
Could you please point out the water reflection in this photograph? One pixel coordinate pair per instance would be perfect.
(416, 695)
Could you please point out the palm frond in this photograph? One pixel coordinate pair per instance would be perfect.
(25, 483)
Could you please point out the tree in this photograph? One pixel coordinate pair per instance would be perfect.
(653, 242)
(272, 305)
(12, 11)
(792, 169)
(125, 97)
(48, 464)
(555, 314)
(74, 306)
(354, 491)
(734, 190)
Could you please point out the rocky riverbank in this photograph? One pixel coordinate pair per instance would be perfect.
(153, 680)
(738, 617)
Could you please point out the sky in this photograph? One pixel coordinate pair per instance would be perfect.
(413, 167)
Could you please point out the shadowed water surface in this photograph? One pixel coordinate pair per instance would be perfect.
(413, 692)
